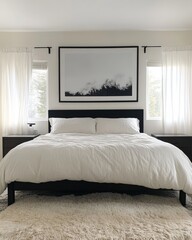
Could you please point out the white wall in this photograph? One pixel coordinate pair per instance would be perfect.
(55, 39)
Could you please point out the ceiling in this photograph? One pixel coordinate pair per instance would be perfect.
(95, 15)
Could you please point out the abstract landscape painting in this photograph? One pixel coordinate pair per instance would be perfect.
(93, 74)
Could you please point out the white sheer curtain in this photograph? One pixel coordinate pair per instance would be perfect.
(15, 74)
(177, 90)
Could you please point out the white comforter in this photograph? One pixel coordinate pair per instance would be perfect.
(113, 158)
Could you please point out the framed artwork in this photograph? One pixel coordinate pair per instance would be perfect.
(98, 74)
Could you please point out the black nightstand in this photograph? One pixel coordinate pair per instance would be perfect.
(183, 142)
(12, 141)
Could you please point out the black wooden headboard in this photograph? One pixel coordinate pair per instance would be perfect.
(94, 113)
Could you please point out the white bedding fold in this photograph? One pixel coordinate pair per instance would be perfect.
(111, 158)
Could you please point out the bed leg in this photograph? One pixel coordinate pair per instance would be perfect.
(11, 194)
(182, 198)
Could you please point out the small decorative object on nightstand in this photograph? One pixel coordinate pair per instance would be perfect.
(183, 142)
(12, 141)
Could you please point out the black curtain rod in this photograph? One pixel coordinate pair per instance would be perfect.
(49, 48)
(145, 47)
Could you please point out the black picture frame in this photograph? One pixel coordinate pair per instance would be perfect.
(98, 73)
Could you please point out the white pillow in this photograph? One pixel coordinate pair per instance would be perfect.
(117, 125)
(72, 125)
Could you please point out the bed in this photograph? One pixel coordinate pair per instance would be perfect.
(107, 183)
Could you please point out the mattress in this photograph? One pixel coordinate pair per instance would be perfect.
(137, 159)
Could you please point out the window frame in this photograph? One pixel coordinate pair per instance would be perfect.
(40, 65)
(153, 64)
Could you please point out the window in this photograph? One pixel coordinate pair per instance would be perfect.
(38, 92)
(154, 92)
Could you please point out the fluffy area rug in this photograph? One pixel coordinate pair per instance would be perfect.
(101, 216)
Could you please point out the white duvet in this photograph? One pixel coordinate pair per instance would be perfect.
(113, 158)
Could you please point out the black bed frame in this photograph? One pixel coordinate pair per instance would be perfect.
(81, 187)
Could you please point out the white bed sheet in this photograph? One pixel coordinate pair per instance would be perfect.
(137, 159)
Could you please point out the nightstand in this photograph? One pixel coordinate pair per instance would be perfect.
(12, 141)
(183, 142)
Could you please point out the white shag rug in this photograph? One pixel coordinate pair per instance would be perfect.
(96, 216)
